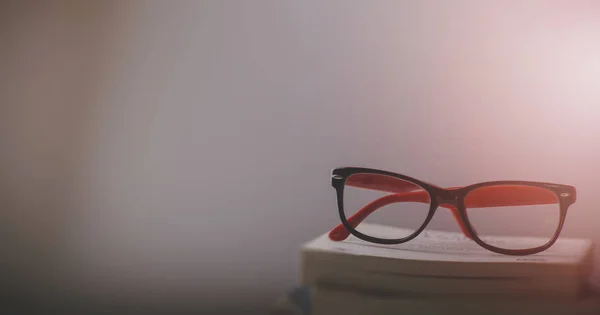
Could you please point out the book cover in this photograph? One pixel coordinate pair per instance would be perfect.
(331, 300)
(341, 300)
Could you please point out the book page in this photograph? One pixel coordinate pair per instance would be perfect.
(451, 246)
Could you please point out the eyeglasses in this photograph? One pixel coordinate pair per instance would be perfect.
(483, 211)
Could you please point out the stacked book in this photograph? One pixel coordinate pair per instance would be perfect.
(443, 273)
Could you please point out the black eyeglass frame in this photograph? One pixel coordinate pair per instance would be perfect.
(565, 194)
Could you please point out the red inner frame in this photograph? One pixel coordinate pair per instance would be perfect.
(403, 191)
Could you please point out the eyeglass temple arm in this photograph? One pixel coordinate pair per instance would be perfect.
(340, 233)
(491, 196)
(379, 183)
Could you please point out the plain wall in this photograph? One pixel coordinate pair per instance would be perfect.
(206, 146)
(50, 59)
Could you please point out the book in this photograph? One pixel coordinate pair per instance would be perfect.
(595, 274)
(342, 300)
(446, 263)
(332, 301)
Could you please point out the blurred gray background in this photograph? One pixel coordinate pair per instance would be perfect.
(179, 152)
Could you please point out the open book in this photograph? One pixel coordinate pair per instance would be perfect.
(446, 263)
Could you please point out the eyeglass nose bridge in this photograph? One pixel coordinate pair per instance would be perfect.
(447, 197)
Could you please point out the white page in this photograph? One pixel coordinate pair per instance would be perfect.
(450, 246)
